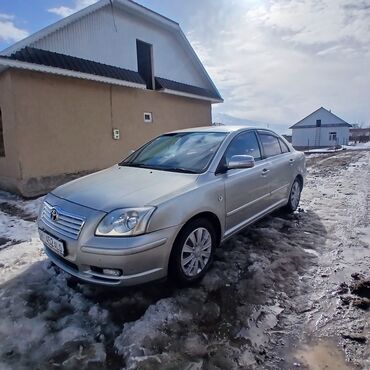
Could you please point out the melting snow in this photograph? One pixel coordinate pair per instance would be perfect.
(49, 320)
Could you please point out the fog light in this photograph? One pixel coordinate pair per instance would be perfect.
(112, 272)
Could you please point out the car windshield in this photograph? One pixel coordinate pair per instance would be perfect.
(189, 152)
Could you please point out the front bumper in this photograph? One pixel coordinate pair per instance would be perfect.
(141, 258)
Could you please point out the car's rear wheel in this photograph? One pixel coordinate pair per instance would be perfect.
(294, 196)
(193, 251)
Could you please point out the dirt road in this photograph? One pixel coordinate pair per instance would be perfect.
(289, 292)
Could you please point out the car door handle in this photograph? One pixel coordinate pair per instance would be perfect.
(265, 171)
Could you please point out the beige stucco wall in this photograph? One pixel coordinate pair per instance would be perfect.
(9, 165)
(64, 125)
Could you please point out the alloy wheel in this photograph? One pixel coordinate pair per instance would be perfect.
(295, 195)
(196, 252)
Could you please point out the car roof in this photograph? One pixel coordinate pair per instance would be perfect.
(221, 128)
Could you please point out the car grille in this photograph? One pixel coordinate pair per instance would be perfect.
(64, 223)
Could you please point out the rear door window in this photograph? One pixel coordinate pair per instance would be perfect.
(284, 147)
(270, 144)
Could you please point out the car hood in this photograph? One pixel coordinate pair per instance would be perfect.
(120, 187)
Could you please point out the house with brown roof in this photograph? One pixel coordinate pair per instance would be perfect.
(78, 95)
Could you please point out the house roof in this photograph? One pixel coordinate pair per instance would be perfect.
(169, 85)
(52, 59)
(337, 122)
(62, 62)
(19, 49)
(364, 130)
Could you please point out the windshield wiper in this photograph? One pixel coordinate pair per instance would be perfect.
(129, 164)
(159, 168)
(179, 169)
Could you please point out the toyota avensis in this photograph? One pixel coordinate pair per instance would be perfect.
(165, 208)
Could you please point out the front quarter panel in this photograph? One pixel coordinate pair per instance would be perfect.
(207, 196)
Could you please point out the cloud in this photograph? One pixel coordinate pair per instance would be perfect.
(65, 11)
(9, 32)
(315, 22)
(277, 61)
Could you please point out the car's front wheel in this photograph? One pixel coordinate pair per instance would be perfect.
(193, 251)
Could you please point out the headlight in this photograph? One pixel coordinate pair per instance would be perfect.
(125, 222)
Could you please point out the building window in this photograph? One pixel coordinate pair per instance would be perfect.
(2, 147)
(148, 117)
(318, 123)
(145, 63)
(332, 136)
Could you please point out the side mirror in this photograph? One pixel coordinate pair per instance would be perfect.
(240, 161)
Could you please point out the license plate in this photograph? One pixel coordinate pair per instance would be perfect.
(54, 244)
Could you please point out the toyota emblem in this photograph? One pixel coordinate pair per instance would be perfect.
(54, 215)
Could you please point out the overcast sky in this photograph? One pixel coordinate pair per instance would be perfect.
(273, 61)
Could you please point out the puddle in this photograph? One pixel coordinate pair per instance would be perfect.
(323, 355)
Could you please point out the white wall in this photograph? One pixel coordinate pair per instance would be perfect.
(306, 136)
(95, 38)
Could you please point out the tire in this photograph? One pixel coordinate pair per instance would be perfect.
(189, 260)
(294, 196)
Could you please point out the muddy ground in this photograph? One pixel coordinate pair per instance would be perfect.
(291, 291)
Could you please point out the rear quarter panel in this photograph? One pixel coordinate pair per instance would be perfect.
(300, 160)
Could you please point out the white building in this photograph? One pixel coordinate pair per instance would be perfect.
(320, 129)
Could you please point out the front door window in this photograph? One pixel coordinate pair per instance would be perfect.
(244, 144)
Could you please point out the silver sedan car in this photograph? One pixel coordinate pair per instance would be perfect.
(167, 207)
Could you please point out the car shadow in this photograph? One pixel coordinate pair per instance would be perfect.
(49, 319)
